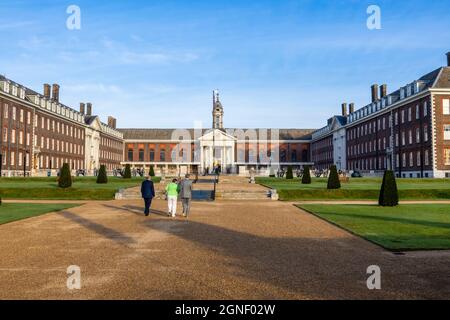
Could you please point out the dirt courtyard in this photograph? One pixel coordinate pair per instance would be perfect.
(225, 250)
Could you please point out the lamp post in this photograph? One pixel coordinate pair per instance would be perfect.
(25, 163)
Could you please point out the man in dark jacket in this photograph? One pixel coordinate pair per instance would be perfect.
(186, 195)
(148, 193)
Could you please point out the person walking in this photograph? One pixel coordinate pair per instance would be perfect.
(172, 190)
(148, 193)
(186, 195)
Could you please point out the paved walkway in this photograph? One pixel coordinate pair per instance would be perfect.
(227, 250)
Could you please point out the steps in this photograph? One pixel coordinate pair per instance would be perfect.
(228, 188)
(241, 195)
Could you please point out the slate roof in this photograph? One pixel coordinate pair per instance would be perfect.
(166, 134)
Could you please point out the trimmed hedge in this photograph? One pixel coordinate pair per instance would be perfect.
(389, 192)
(65, 178)
(354, 194)
(127, 173)
(151, 172)
(57, 194)
(333, 179)
(306, 179)
(102, 176)
(289, 173)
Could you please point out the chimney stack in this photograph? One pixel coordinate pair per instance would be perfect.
(55, 92)
(448, 59)
(352, 107)
(383, 91)
(374, 92)
(344, 109)
(112, 122)
(47, 90)
(89, 109)
(82, 108)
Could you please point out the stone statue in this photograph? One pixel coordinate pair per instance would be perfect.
(252, 175)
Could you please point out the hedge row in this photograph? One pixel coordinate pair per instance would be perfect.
(57, 194)
(346, 194)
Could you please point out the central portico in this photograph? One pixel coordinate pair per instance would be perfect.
(217, 148)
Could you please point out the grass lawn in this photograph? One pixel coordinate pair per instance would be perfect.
(358, 189)
(17, 211)
(402, 228)
(83, 188)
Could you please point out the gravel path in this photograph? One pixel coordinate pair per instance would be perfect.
(226, 250)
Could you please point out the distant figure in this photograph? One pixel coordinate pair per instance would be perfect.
(186, 195)
(148, 193)
(172, 190)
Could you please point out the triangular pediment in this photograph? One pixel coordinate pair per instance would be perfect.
(96, 124)
(218, 135)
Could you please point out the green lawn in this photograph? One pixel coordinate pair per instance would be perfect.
(402, 228)
(83, 188)
(17, 211)
(357, 189)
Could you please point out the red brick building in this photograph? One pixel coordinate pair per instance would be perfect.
(39, 133)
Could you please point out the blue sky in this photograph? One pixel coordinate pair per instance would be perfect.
(286, 64)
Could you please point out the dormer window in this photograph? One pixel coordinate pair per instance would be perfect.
(14, 90)
(22, 93)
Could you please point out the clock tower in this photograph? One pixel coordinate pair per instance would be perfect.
(217, 112)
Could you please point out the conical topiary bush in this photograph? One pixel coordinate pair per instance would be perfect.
(389, 192)
(151, 172)
(65, 178)
(102, 176)
(333, 179)
(127, 173)
(289, 173)
(306, 179)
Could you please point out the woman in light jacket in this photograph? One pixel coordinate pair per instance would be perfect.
(172, 190)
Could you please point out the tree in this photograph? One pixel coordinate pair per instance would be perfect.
(306, 179)
(151, 172)
(65, 178)
(289, 173)
(127, 173)
(389, 192)
(333, 179)
(102, 176)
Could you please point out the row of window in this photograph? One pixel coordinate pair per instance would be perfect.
(16, 114)
(370, 146)
(52, 162)
(408, 159)
(16, 138)
(21, 157)
(113, 156)
(110, 143)
(59, 127)
(403, 116)
(368, 164)
(59, 146)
